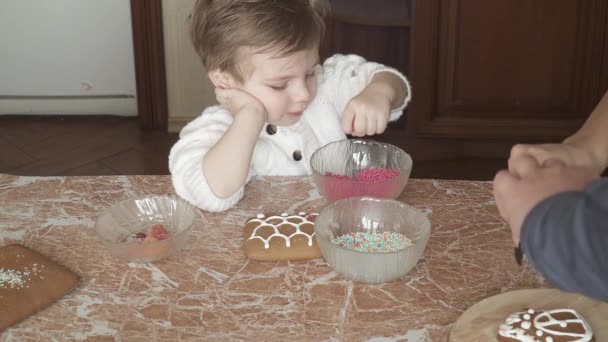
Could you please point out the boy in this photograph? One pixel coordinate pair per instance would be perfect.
(277, 105)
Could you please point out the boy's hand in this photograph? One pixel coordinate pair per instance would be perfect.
(518, 192)
(238, 101)
(368, 112)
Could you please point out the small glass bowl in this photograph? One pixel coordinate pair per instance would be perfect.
(117, 225)
(346, 158)
(371, 215)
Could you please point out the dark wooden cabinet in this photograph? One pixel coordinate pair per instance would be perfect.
(485, 73)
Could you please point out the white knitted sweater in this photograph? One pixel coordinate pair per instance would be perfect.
(339, 79)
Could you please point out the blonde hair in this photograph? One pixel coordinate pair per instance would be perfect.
(220, 27)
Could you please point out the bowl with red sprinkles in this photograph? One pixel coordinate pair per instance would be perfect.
(372, 240)
(146, 228)
(356, 167)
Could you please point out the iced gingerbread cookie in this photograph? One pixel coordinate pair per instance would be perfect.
(561, 325)
(281, 237)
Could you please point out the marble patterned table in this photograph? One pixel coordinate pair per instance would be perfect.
(211, 292)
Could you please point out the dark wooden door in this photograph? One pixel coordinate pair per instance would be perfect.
(485, 74)
(149, 53)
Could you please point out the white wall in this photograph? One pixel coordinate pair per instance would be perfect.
(59, 48)
(189, 91)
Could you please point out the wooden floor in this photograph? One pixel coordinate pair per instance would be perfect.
(81, 145)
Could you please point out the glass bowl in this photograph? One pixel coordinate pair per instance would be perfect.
(164, 221)
(338, 167)
(371, 216)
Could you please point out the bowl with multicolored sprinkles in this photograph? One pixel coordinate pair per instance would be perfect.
(372, 240)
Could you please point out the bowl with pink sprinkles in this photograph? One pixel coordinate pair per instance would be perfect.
(356, 167)
(372, 240)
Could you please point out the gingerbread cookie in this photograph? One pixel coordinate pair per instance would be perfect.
(561, 325)
(284, 237)
(29, 282)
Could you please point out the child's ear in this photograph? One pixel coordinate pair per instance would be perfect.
(221, 79)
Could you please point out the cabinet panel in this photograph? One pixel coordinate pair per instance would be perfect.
(504, 68)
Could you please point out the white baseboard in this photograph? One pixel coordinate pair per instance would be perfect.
(72, 105)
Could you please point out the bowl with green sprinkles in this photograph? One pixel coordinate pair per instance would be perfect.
(372, 240)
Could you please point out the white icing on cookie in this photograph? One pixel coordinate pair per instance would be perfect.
(517, 326)
(284, 220)
(548, 320)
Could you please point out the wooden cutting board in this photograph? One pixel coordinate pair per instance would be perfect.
(480, 322)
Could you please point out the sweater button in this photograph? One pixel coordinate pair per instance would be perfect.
(297, 155)
(271, 129)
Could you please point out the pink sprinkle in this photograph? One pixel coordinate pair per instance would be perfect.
(368, 175)
(156, 232)
(375, 175)
(337, 176)
(376, 182)
(159, 232)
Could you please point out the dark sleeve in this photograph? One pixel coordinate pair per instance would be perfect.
(565, 238)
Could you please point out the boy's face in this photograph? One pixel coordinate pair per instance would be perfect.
(285, 85)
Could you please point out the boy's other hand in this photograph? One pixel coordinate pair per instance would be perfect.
(237, 101)
(368, 112)
(518, 192)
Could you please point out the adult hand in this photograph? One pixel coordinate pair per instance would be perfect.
(569, 153)
(518, 192)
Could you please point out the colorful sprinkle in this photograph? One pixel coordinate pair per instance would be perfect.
(385, 242)
(15, 279)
